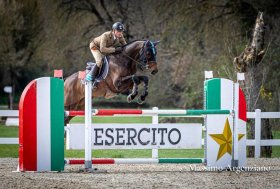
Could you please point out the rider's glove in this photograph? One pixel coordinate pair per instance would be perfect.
(118, 50)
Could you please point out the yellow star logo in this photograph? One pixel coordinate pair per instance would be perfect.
(225, 140)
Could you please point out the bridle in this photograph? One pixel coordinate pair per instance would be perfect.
(143, 63)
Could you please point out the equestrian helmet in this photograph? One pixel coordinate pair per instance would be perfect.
(118, 26)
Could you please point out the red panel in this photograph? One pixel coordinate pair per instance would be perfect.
(58, 73)
(27, 129)
(82, 75)
(105, 112)
(111, 112)
(76, 113)
(242, 106)
(76, 161)
(103, 161)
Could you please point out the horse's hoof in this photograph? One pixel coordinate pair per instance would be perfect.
(140, 101)
(129, 100)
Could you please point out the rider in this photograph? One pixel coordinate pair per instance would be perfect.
(108, 43)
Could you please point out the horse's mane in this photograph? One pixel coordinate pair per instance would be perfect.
(132, 42)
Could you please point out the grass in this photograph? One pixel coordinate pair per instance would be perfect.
(8, 150)
(6, 132)
(163, 153)
(130, 119)
(12, 150)
(276, 134)
(275, 151)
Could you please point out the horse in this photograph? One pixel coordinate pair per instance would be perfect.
(121, 78)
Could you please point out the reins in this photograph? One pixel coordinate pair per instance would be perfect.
(139, 63)
(143, 65)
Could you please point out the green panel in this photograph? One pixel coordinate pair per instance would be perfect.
(57, 124)
(180, 160)
(213, 94)
(205, 112)
(197, 113)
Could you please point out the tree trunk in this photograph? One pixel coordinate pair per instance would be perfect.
(248, 62)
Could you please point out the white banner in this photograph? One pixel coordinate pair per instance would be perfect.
(136, 136)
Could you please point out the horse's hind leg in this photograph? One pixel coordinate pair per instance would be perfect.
(145, 93)
(134, 92)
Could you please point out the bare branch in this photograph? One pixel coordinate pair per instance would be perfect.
(253, 54)
(75, 7)
(106, 11)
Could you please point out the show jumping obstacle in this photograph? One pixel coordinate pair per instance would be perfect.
(137, 161)
(42, 130)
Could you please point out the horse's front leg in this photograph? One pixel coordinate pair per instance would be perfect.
(145, 93)
(134, 93)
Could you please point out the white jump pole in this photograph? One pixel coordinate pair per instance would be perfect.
(234, 162)
(207, 75)
(235, 159)
(88, 114)
(155, 121)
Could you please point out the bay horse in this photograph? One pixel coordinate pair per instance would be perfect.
(121, 78)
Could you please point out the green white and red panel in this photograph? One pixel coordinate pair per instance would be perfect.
(220, 94)
(41, 126)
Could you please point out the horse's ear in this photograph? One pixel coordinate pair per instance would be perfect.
(156, 42)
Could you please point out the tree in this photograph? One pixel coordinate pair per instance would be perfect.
(20, 37)
(257, 96)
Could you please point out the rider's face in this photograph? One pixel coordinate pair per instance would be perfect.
(118, 34)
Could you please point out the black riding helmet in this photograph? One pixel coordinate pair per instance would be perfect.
(118, 26)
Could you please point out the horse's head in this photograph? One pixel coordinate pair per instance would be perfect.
(148, 56)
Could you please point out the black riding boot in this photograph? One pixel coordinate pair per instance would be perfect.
(92, 74)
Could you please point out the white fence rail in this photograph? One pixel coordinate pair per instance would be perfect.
(8, 113)
(8, 140)
(257, 142)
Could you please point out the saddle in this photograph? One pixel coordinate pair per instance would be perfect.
(103, 72)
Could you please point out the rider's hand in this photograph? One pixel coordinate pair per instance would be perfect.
(118, 50)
